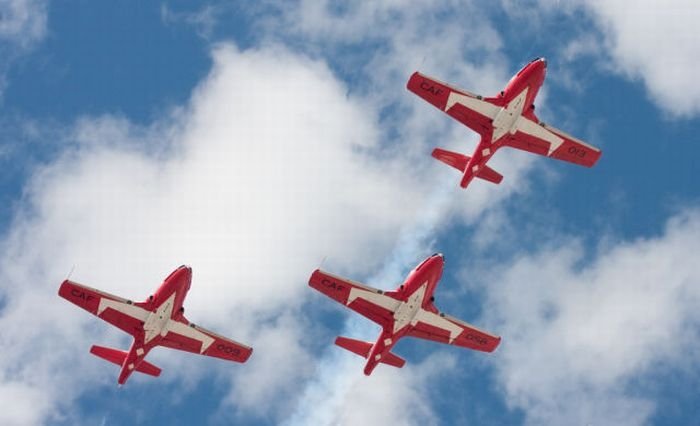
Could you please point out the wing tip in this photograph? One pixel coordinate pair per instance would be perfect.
(496, 344)
(63, 288)
(312, 277)
(413, 76)
(247, 355)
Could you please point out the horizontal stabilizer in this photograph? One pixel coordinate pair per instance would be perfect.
(146, 367)
(355, 346)
(115, 356)
(489, 174)
(460, 161)
(454, 159)
(362, 349)
(393, 360)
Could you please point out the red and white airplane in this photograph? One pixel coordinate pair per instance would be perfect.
(158, 321)
(406, 311)
(505, 120)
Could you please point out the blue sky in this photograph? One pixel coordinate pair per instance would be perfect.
(252, 141)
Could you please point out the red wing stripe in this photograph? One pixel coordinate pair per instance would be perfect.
(195, 339)
(471, 110)
(467, 325)
(321, 273)
(444, 96)
(415, 79)
(535, 130)
(548, 141)
(568, 136)
(446, 329)
(367, 301)
(86, 297)
(120, 312)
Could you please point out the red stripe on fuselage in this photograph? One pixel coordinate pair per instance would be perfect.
(430, 271)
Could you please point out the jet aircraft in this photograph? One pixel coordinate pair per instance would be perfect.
(507, 119)
(406, 311)
(157, 321)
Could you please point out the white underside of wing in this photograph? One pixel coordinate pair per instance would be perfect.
(191, 332)
(562, 133)
(437, 321)
(482, 107)
(126, 309)
(533, 129)
(375, 298)
(142, 315)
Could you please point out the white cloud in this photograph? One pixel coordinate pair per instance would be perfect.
(23, 22)
(270, 167)
(657, 41)
(203, 21)
(23, 404)
(258, 178)
(455, 43)
(340, 394)
(579, 333)
(652, 40)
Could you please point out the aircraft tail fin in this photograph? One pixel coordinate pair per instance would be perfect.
(115, 356)
(362, 349)
(460, 161)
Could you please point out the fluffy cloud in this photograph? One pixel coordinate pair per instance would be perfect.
(657, 41)
(339, 394)
(579, 332)
(271, 166)
(265, 172)
(651, 40)
(456, 43)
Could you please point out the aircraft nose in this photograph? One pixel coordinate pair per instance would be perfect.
(544, 62)
(442, 256)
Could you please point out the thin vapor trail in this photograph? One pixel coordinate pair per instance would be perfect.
(338, 370)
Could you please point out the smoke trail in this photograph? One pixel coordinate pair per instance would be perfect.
(339, 371)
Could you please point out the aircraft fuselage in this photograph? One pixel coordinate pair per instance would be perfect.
(415, 296)
(165, 305)
(515, 101)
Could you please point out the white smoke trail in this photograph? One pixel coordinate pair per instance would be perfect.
(339, 371)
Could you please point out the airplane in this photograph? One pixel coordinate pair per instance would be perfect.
(157, 321)
(407, 311)
(507, 119)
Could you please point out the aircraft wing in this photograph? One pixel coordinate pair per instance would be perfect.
(370, 302)
(443, 328)
(542, 139)
(186, 336)
(469, 109)
(120, 312)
